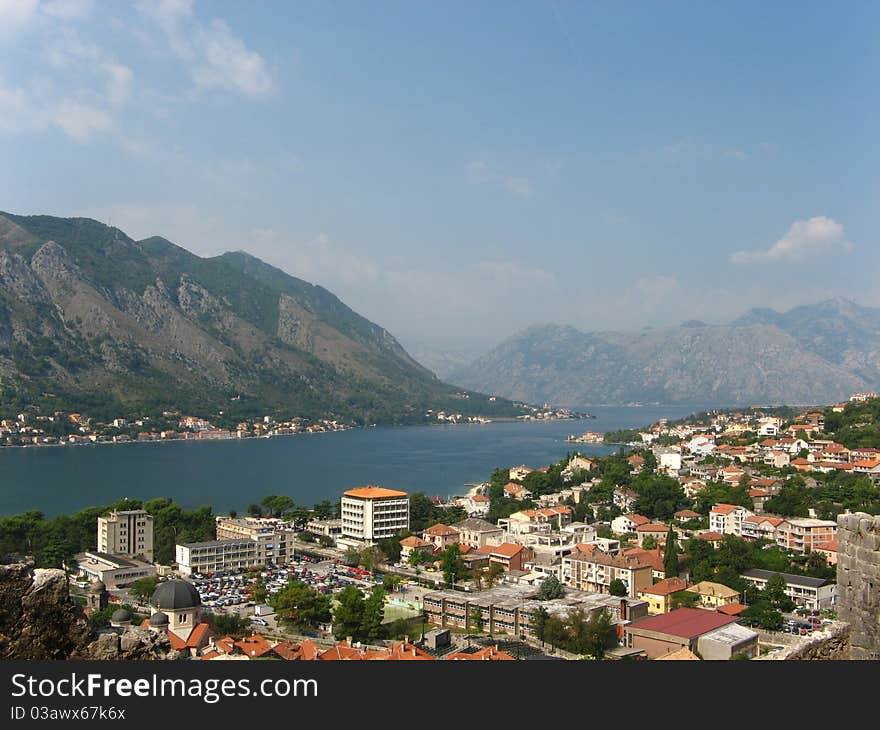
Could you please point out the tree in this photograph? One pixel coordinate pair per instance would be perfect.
(254, 510)
(539, 619)
(228, 624)
(618, 588)
(550, 588)
(451, 563)
(352, 557)
(774, 593)
(301, 606)
(493, 574)
(390, 581)
(670, 555)
(649, 543)
(348, 618)
(685, 599)
(374, 614)
(590, 636)
(259, 592)
(660, 497)
(477, 619)
(277, 505)
(370, 558)
(764, 615)
(143, 588)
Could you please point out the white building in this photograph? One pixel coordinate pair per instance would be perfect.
(374, 513)
(727, 519)
(810, 593)
(209, 557)
(128, 533)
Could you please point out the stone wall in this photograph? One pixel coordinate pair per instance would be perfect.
(858, 582)
(832, 643)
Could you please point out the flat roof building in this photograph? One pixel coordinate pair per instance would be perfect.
(373, 513)
(810, 593)
(128, 533)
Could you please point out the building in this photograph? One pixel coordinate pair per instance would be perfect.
(804, 535)
(728, 518)
(327, 528)
(509, 555)
(761, 527)
(627, 523)
(682, 628)
(373, 513)
(126, 533)
(594, 571)
(518, 472)
(655, 530)
(176, 609)
(810, 593)
(213, 555)
(413, 544)
(659, 596)
(726, 642)
(113, 571)
(714, 595)
(273, 538)
(477, 533)
(441, 536)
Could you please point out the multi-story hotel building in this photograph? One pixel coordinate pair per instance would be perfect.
(373, 513)
(128, 533)
(242, 543)
(805, 534)
(594, 571)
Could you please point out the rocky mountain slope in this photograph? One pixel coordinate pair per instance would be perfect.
(810, 356)
(93, 320)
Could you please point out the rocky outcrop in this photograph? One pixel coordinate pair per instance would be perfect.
(37, 616)
(39, 620)
(858, 581)
(132, 644)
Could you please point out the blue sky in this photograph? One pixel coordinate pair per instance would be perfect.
(456, 171)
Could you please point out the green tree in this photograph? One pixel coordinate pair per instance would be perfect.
(374, 614)
(300, 606)
(590, 636)
(277, 505)
(649, 542)
(370, 558)
(685, 599)
(228, 624)
(477, 619)
(451, 563)
(763, 614)
(660, 497)
(774, 593)
(670, 555)
(324, 510)
(539, 618)
(493, 574)
(352, 557)
(348, 617)
(143, 588)
(550, 588)
(618, 588)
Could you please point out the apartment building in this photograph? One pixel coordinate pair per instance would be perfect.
(805, 534)
(592, 570)
(127, 533)
(477, 533)
(209, 557)
(810, 593)
(373, 513)
(727, 519)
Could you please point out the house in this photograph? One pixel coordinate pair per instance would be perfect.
(687, 514)
(810, 593)
(477, 533)
(714, 595)
(440, 536)
(692, 486)
(666, 633)
(777, 459)
(577, 463)
(659, 596)
(759, 497)
(829, 550)
(730, 475)
(593, 570)
(710, 536)
(519, 472)
(477, 505)
(701, 444)
(411, 544)
(636, 462)
(625, 498)
(656, 530)
(759, 527)
(627, 523)
(509, 555)
(516, 491)
(489, 653)
(682, 655)
(727, 518)
(668, 460)
(728, 641)
(869, 467)
(653, 557)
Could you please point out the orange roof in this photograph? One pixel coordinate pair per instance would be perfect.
(830, 546)
(254, 646)
(371, 492)
(479, 498)
(226, 644)
(513, 487)
(638, 519)
(402, 651)
(198, 635)
(414, 542)
(490, 653)
(288, 650)
(343, 651)
(711, 536)
(758, 493)
(666, 587)
(732, 609)
(441, 530)
(176, 642)
(654, 557)
(507, 550)
(724, 509)
(866, 463)
(687, 513)
(653, 527)
(210, 655)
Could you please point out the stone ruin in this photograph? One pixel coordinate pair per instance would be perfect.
(858, 582)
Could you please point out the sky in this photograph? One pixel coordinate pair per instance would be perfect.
(457, 171)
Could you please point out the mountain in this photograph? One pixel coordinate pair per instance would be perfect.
(838, 330)
(754, 360)
(93, 320)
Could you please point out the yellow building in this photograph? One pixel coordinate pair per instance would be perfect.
(713, 595)
(659, 596)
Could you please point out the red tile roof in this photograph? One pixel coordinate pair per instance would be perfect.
(490, 653)
(724, 509)
(666, 587)
(732, 609)
(687, 623)
(254, 646)
(441, 530)
(711, 536)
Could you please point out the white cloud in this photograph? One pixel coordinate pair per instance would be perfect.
(15, 14)
(214, 57)
(803, 239)
(80, 120)
(478, 172)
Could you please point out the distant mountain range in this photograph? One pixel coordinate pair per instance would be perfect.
(91, 319)
(811, 354)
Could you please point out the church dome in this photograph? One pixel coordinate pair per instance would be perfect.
(176, 595)
(120, 616)
(159, 619)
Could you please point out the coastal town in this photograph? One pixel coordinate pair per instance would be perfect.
(62, 428)
(718, 537)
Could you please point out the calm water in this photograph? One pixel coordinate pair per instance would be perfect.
(308, 468)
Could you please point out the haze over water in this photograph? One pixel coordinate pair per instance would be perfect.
(437, 460)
